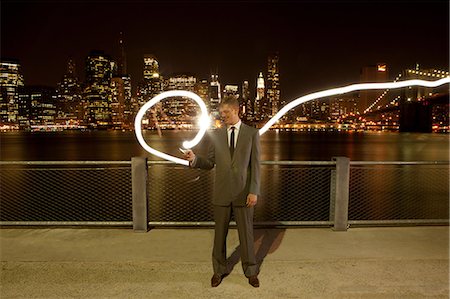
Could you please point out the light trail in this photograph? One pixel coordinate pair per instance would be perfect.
(346, 89)
(203, 122)
(204, 119)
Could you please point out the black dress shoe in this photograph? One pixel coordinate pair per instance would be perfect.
(216, 280)
(254, 281)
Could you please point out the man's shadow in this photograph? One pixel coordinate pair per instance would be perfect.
(267, 240)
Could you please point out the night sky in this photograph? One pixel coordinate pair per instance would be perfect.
(322, 44)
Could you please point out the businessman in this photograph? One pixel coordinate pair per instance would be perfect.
(235, 152)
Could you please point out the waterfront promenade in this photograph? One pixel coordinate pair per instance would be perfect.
(376, 262)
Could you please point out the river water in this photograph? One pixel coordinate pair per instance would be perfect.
(277, 146)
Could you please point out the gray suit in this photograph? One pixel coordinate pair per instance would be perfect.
(235, 178)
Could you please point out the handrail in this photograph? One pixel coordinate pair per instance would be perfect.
(399, 162)
(65, 162)
(157, 162)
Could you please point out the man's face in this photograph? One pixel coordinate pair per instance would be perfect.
(229, 114)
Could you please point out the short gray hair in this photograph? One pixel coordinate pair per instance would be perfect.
(231, 101)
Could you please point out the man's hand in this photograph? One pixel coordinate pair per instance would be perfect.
(189, 155)
(251, 200)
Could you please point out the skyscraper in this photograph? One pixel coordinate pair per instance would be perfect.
(121, 103)
(11, 79)
(97, 93)
(120, 95)
(152, 84)
(68, 97)
(151, 67)
(122, 59)
(246, 103)
(260, 107)
(180, 109)
(273, 84)
(201, 88)
(41, 108)
(215, 95)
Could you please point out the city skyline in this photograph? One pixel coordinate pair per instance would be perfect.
(321, 45)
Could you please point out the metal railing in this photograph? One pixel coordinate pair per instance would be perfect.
(144, 193)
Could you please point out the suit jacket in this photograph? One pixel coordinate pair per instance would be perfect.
(235, 177)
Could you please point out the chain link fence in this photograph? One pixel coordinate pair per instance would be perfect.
(66, 193)
(398, 191)
(289, 193)
(293, 193)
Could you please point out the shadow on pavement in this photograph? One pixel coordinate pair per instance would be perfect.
(266, 241)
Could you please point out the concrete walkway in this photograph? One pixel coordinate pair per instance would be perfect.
(400, 262)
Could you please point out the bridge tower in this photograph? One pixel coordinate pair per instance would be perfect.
(415, 107)
(415, 116)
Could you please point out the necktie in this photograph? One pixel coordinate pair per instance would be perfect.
(232, 142)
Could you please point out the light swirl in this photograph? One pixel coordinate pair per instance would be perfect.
(203, 123)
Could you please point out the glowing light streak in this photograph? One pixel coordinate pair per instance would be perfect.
(346, 89)
(203, 123)
(204, 120)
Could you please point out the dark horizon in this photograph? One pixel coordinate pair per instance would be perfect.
(321, 44)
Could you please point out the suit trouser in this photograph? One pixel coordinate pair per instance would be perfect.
(244, 221)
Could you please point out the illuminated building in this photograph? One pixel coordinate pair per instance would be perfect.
(260, 104)
(246, 103)
(24, 109)
(231, 91)
(317, 110)
(201, 88)
(343, 106)
(180, 110)
(441, 118)
(152, 84)
(273, 84)
(68, 97)
(151, 67)
(121, 100)
(40, 108)
(11, 79)
(371, 74)
(181, 82)
(215, 95)
(97, 93)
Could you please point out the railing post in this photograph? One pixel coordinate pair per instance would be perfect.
(139, 187)
(332, 194)
(341, 193)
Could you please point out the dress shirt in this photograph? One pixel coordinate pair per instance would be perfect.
(236, 126)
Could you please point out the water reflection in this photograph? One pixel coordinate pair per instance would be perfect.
(317, 146)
